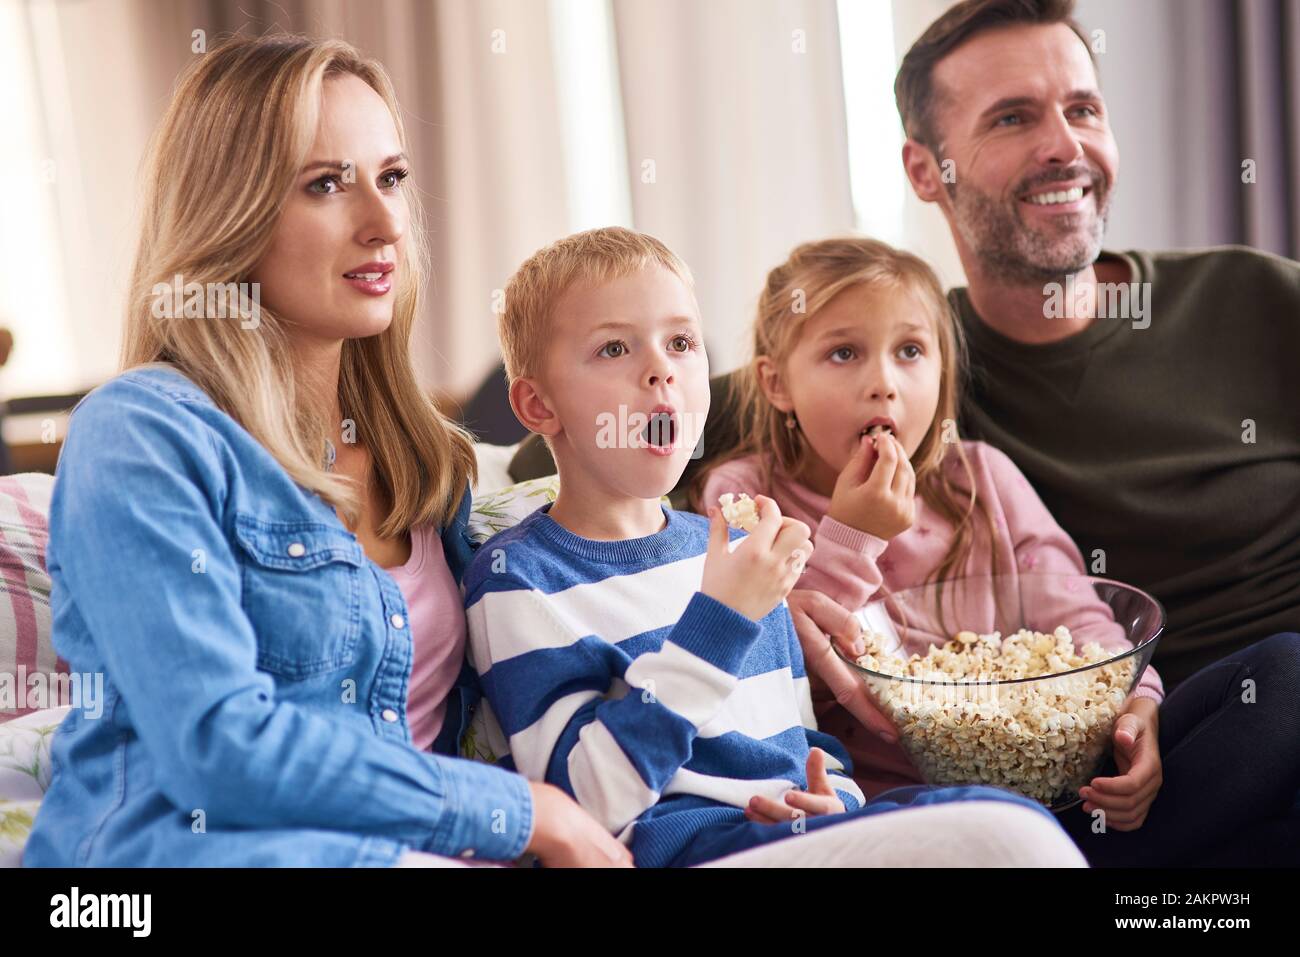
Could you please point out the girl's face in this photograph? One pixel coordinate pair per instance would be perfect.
(332, 269)
(869, 356)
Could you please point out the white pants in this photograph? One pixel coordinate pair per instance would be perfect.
(956, 834)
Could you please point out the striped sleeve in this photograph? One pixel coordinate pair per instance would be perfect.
(611, 742)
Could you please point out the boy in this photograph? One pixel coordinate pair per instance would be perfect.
(640, 658)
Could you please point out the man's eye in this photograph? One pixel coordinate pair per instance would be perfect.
(612, 350)
(330, 180)
(1088, 110)
(1009, 120)
(843, 353)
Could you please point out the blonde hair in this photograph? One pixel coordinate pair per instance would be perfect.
(597, 255)
(220, 165)
(816, 273)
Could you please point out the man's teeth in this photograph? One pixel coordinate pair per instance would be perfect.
(1057, 198)
(367, 276)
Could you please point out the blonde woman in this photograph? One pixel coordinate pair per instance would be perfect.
(258, 527)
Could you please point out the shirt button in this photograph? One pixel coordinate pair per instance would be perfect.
(389, 715)
(398, 621)
(468, 852)
(297, 549)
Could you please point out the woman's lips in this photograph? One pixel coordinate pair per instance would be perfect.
(371, 287)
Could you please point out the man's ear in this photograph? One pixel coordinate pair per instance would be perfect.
(923, 171)
(770, 381)
(532, 409)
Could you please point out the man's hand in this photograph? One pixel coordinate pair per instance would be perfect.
(815, 618)
(1127, 799)
(820, 798)
(876, 497)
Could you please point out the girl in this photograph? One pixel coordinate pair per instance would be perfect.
(849, 415)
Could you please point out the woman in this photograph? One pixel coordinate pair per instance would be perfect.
(206, 558)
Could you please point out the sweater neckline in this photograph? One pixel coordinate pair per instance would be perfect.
(981, 334)
(655, 548)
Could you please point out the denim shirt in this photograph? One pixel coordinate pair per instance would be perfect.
(255, 662)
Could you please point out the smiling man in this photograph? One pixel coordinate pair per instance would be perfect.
(1149, 397)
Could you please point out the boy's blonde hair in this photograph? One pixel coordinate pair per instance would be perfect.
(597, 255)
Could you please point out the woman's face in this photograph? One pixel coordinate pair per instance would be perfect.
(332, 269)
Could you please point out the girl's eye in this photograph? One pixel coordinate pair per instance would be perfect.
(612, 350)
(682, 343)
(330, 180)
(843, 354)
(393, 178)
(912, 349)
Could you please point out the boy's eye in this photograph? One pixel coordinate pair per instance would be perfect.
(682, 343)
(843, 354)
(612, 350)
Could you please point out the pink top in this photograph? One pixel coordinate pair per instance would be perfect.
(850, 566)
(437, 622)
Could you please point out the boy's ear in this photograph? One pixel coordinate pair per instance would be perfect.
(531, 408)
(923, 172)
(769, 380)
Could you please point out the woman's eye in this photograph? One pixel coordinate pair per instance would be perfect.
(682, 343)
(843, 354)
(612, 350)
(393, 178)
(330, 180)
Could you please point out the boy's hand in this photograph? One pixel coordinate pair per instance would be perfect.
(820, 798)
(876, 497)
(754, 578)
(1127, 799)
(564, 835)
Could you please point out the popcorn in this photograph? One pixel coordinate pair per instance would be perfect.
(739, 512)
(1042, 738)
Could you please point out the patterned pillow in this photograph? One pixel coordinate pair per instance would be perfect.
(25, 645)
(24, 776)
(496, 511)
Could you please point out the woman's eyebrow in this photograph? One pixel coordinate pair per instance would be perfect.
(342, 165)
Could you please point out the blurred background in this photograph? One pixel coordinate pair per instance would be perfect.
(730, 129)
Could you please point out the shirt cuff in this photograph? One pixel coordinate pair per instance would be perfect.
(487, 812)
(1146, 691)
(859, 541)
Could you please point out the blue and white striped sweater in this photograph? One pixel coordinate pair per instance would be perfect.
(613, 678)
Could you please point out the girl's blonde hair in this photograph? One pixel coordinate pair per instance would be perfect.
(813, 275)
(220, 165)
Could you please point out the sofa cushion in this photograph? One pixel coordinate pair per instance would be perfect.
(25, 645)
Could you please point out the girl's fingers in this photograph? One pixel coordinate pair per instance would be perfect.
(882, 476)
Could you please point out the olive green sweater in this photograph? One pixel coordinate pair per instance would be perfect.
(1167, 445)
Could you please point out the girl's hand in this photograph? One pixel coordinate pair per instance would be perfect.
(754, 578)
(564, 835)
(878, 498)
(820, 798)
(1127, 799)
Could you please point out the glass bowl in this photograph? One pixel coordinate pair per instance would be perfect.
(1043, 735)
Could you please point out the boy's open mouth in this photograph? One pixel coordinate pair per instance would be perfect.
(661, 431)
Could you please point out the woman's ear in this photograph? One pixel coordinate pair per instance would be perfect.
(772, 384)
(531, 408)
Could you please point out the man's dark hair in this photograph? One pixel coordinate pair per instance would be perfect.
(914, 87)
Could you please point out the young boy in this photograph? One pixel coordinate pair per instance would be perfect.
(640, 658)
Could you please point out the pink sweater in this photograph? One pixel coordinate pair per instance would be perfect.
(437, 629)
(851, 566)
